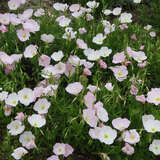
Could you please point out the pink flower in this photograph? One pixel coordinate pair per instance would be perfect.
(74, 7)
(131, 136)
(142, 47)
(9, 68)
(120, 72)
(109, 86)
(142, 64)
(20, 116)
(133, 90)
(31, 26)
(102, 64)
(68, 150)
(13, 4)
(86, 71)
(121, 123)
(5, 59)
(89, 99)
(123, 26)
(128, 149)
(141, 98)
(23, 35)
(119, 58)
(3, 29)
(74, 88)
(94, 132)
(93, 88)
(31, 145)
(7, 110)
(81, 44)
(82, 30)
(148, 27)
(69, 69)
(5, 19)
(53, 157)
(154, 96)
(133, 36)
(59, 149)
(60, 18)
(44, 60)
(90, 117)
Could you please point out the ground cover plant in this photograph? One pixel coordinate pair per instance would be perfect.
(78, 84)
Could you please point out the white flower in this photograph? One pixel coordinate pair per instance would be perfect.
(57, 56)
(126, 18)
(98, 39)
(105, 51)
(109, 86)
(39, 12)
(145, 118)
(30, 51)
(152, 126)
(139, 56)
(137, 1)
(131, 136)
(92, 4)
(26, 138)
(60, 6)
(155, 147)
(107, 135)
(15, 127)
(26, 96)
(19, 152)
(60, 68)
(107, 12)
(94, 56)
(36, 120)
(117, 11)
(47, 38)
(12, 99)
(64, 22)
(102, 114)
(152, 34)
(42, 106)
(3, 95)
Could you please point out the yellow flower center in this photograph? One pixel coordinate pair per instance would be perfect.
(106, 136)
(14, 102)
(27, 140)
(35, 124)
(42, 107)
(25, 97)
(16, 127)
(157, 99)
(59, 150)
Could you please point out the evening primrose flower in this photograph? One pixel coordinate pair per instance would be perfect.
(64, 22)
(12, 99)
(99, 38)
(5, 18)
(42, 106)
(3, 95)
(57, 56)
(13, 4)
(102, 114)
(59, 149)
(131, 136)
(107, 135)
(30, 51)
(89, 99)
(26, 138)
(125, 18)
(53, 157)
(94, 132)
(119, 58)
(155, 147)
(74, 88)
(48, 38)
(90, 117)
(154, 96)
(60, 6)
(105, 51)
(60, 68)
(26, 96)
(31, 26)
(39, 12)
(109, 86)
(15, 127)
(120, 72)
(44, 60)
(23, 35)
(120, 123)
(152, 125)
(128, 149)
(19, 152)
(92, 4)
(117, 11)
(36, 120)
